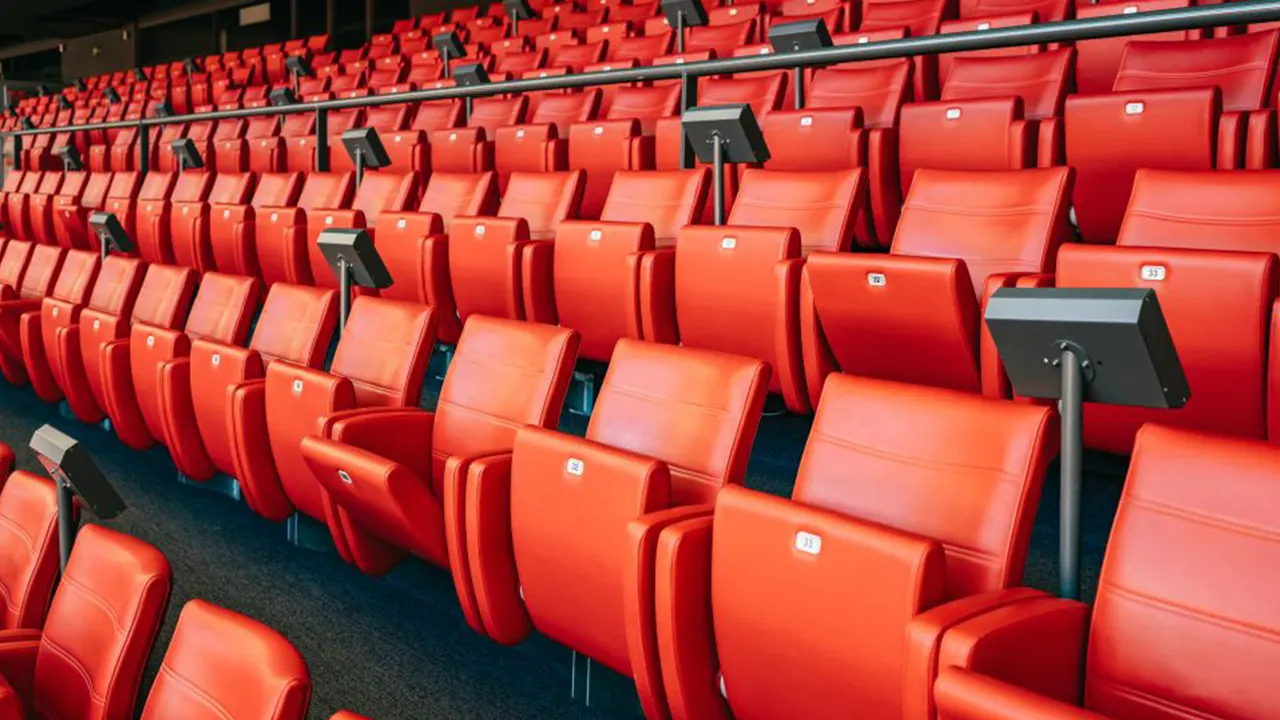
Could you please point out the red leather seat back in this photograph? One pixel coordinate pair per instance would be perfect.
(277, 189)
(667, 200)
(820, 205)
(645, 104)
(653, 386)
(1010, 19)
(449, 195)
(432, 116)
(101, 626)
(1200, 499)
(1218, 307)
(1040, 80)
(165, 296)
(986, 478)
(564, 109)
(720, 39)
(326, 190)
(493, 113)
(221, 664)
(29, 508)
(542, 199)
(384, 192)
(384, 351)
(1203, 210)
(223, 308)
(75, 278)
(1045, 10)
(483, 403)
(762, 92)
(296, 324)
(1240, 66)
(1098, 60)
(920, 17)
(42, 270)
(821, 139)
(997, 222)
(880, 90)
(643, 49)
(119, 280)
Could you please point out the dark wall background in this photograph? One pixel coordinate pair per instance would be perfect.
(101, 53)
(178, 40)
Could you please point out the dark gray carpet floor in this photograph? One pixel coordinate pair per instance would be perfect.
(397, 648)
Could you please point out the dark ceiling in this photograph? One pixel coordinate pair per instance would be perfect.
(23, 21)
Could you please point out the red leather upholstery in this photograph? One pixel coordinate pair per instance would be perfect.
(281, 231)
(227, 394)
(71, 216)
(542, 144)
(76, 277)
(233, 227)
(845, 570)
(1203, 211)
(914, 315)
(222, 665)
(28, 530)
(414, 245)
(162, 304)
(646, 461)
(189, 219)
(154, 211)
(399, 495)
(598, 264)
(72, 355)
(379, 192)
(104, 618)
(1098, 60)
(918, 17)
(487, 254)
(468, 149)
(1164, 641)
(44, 217)
(40, 206)
(17, 221)
(379, 363)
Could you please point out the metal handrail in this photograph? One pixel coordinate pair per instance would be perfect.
(1235, 13)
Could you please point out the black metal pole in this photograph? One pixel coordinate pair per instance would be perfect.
(444, 57)
(799, 87)
(688, 99)
(466, 111)
(322, 140)
(344, 295)
(1071, 408)
(515, 26)
(297, 86)
(144, 149)
(67, 524)
(680, 32)
(717, 162)
(17, 153)
(359, 167)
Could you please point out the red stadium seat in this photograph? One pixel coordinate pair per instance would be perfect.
(596, 263)
(29, 514)
(223, 665)
(486, 254)
(893, 524)
(189, 219)
(504, 375)
(89, 659)
(232, 227)
(917, 17)
(73, 337)
(962, 235)
(1195, 635)
(1097, 61)
(541, 144)
(17, 220)
(155, 212)
(467, 149)
(37, 281)
(40, 203)
(75, 280)
(1193, 105)
(379, 363)
(71, 214)
(218, 424)
(126, 190)
(671, 429)
(379, 192)
(415, 247)
(281, 231)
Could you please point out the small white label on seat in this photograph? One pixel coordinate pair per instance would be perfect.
(604, 29)
(541, 75)
(397, 138)
(55, 312)
(401, 223)
(679, 61)
(480, 229)
(226, 214)
(275, 216)
(596, 235)
(264, 144)
(297, 387)
(599, 130)
(186, 209)
(453, 136)
(519, 133)
(876, 279)
(302, 141)
(953, 113)
(806, 120)
(328, 219)
(1153, 272)
(151, 341)
(808, 543)
(97, 324)
(765, 50)
(728, 243)
(864, 40)
(984, 26)
(216, 359)
(1134, 108)
(574, 467)
(1129, 10)
(553, 36)
(344, 477)
(733, 12)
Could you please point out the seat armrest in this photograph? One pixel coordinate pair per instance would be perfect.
(669, 575)
(658, 296)
(399, 434)
(480, 523)
(18, 649)
(1036, 644)
(538, 301)
(925, 634)
(1260, 140)
(964, 695)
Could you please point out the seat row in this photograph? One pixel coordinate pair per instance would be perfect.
(646, 270)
